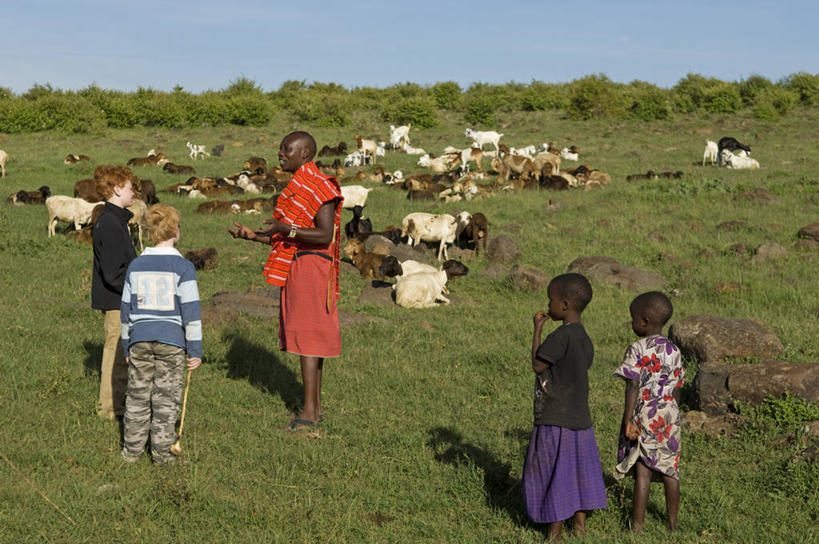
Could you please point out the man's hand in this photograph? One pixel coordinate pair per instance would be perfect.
(275, 227)
(241, 231)
(194, 362)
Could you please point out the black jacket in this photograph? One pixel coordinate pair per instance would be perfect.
(113, 252)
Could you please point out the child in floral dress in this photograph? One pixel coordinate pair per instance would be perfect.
(649, 445)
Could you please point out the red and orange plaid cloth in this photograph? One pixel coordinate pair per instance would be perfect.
(298, 205)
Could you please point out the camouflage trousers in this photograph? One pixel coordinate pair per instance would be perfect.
(152, 402)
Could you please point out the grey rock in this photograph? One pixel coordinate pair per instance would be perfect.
(759, 196)
(377, 293)
(376, 239)
(526, 277)
(769, 251)
(809, 231)
(502, 249)
(608, 270)
(712, 338)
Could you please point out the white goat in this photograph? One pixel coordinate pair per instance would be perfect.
(421, 289)
(528, 151)
(356, 158)
(480, 138)
(196, 151)
(3, 158)
(567, 155)
(438, 164)
(381, 150)
(739, 161)
(409, 150)
(399, 135)
(70, 210)
(244, 182)
(710, 152)
(367, 147)
(429, 227)
(354, 195)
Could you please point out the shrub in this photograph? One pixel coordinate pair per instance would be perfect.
(447, 95)
(241, 87)
(67, 113)
(38, 91)
(751, 87)
(774, 102)
(648, 102)
(207, 109)
(326, 110)
(539, 96)
(787, 412)
(5, 93)
(120, 111)
(722, 98)
(480, 111)
(158, 109)
(690, 92)
(420, 111)
(250, 110)
(595, 97)
(806, 87)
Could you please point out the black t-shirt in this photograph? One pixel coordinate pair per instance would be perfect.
(562, 390)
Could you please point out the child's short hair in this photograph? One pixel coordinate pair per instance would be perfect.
(161, 222)
(654, 306)
(573, 287)
(106, 177)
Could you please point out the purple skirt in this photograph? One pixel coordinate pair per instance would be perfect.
(562, 474)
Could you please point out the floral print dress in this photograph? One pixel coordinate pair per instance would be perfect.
(655, 364)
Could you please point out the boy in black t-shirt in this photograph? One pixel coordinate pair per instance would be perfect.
(562, 476)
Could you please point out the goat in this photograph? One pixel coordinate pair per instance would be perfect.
(146, 189)
(87, 190)
(217, 150)
(68, 209)
(711, 152)
(253, 164)
(367, 263)
(471, 154)
(479, 138)
(356, 158)
(3, 158)
(354, 195)
(424, 289)
(518, 164)
(391, 267)
(358, 224)
(399, 135)
(158, 159)
(544, 159)
(197, 151)
(172, 168)
(570, 153)
(731, 144)
(328, 151)
(528, 151)
(30, 197)
(476, 231)
(409, 150)
(367, 147)
(739, 161)
(442, 228)
(440, 164)
(74, 159)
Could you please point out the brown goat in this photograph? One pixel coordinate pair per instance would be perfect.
(368, 264)
(74, 159)
(172, 168)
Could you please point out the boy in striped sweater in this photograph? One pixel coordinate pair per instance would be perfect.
(161, 322)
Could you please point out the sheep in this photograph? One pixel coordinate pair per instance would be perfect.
(570, 153)
(197, 151)
(68, 209)
(367, 147)
(409, 150)
(424, 289)
(138, 208)
(87, 190)
(480, 138)
(146, 189)
(328, 151)
(358, 224)
(710, 153)
(3, 158)
(738, 162)
(30, 197)
(731, 144)
(354, 195)
(74, 159)
(443, 228)
(399, 135)
(440, 164)
(357, 177)
(476, 231)
(391, 267)
(179, 169)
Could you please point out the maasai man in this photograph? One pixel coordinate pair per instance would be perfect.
(304, 236)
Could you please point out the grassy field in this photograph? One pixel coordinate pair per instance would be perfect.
(428, 412)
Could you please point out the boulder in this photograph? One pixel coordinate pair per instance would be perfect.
(608, 270)
(455, 252)
(806, 244)
(377, 293)
(526, 277)
(717, 386)
(376, 239)
(712, 338)
(347, 268)
(495, 271)
(502, 249)
(809, 231)
(402, 252)
(769, 251)
(696, 421)
(759, 196)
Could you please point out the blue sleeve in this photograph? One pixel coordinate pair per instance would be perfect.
(191, 310)
(125, 312)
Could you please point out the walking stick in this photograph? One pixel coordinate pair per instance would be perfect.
(176, 449)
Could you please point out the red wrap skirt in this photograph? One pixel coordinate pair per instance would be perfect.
(308, 318)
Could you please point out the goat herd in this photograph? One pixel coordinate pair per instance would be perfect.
(375, 254)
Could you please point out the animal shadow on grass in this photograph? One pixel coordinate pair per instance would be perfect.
(263, 369)
(501, 490)
(93, 358)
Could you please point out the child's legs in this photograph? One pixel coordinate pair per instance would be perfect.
(579, 523)
(165, 399)
(138, 401)
(311, 368)
(672, 499)
(642, 482)
(114, 370)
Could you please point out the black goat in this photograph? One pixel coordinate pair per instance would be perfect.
(731, 144)
(358, 224)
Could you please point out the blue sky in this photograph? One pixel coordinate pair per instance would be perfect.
(205, 45)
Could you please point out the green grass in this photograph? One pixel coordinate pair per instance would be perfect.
(428, 414)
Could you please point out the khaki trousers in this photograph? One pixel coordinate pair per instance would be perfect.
(114, 370)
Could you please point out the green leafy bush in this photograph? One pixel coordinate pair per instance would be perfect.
(250, 110)
(751, 87)
(159, 109)
(421, 111)
(595, 97)
(447, 95)
(722, 98)
(787, 412)
(689, 93)
(325, 110)
(774, 102)
(648, 102)
(480, 111)
(539, 96)
(806, 87)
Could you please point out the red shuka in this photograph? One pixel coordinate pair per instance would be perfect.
(298, 205)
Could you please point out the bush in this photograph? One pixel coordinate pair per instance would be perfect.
(447, 95)
(648, 102)
(242, 87)
(805, 86)
(120, 111)
(67, 113)
(751, 87)
(595, 97)
(689, 94)
(325, 110)
(539, 96)
(785, 413)
(5, 93)
(480, 112)
(722, 98)
(255, 111)
(420, 111)
(159, 109)
(774, 102)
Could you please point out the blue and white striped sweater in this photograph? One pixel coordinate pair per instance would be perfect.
(160, 301)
